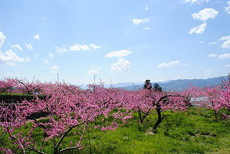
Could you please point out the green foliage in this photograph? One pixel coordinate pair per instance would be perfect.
(15, 94)
(193, 131)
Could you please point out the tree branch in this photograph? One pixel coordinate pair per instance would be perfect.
(64, 135)
(28, 91)
(23, 149)
(78, 145)
(40, 152)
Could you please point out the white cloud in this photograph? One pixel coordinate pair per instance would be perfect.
(10, 57)
(29, 46)
(27, 59)
(35, 56)
(205, 14)
(2, 39)
(212, 43)
(94, 71)
(227, 8)
(138, 21)
(43, 18)
(224, 56)
(10, 64)
(227, 65)
(121, 53)
(46, 61)
(79, 47)
(196, 1)
(147, 28)
(51, 55)
(146, 8)
(94, 47)
(61, 50)
(54, 68)
(170, 64)
(37, 37)
(224, 38)
(121, 65)
(198, 29)
(16, 46)
(226, 44)
(207, 73)
(178, 77)
(212, 55)
(219, 2)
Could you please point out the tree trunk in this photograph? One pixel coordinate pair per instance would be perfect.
(215, 115)
(159, 120)
(140, 117)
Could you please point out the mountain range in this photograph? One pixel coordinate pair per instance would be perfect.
(179, 84)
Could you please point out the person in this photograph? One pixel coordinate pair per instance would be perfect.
(147, 85)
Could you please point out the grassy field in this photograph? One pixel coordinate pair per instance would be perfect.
(15, 94)
(193, 131)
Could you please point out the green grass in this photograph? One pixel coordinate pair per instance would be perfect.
(18, 94)
(193, 131)
(15, 94)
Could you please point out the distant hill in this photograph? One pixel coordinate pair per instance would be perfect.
(181, 84)
(128, 84)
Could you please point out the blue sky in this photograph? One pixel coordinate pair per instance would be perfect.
(118, 40)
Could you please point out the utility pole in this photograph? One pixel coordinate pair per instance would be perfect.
(134, 88)
(94, 77)
(57, 77)
(111, 83)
